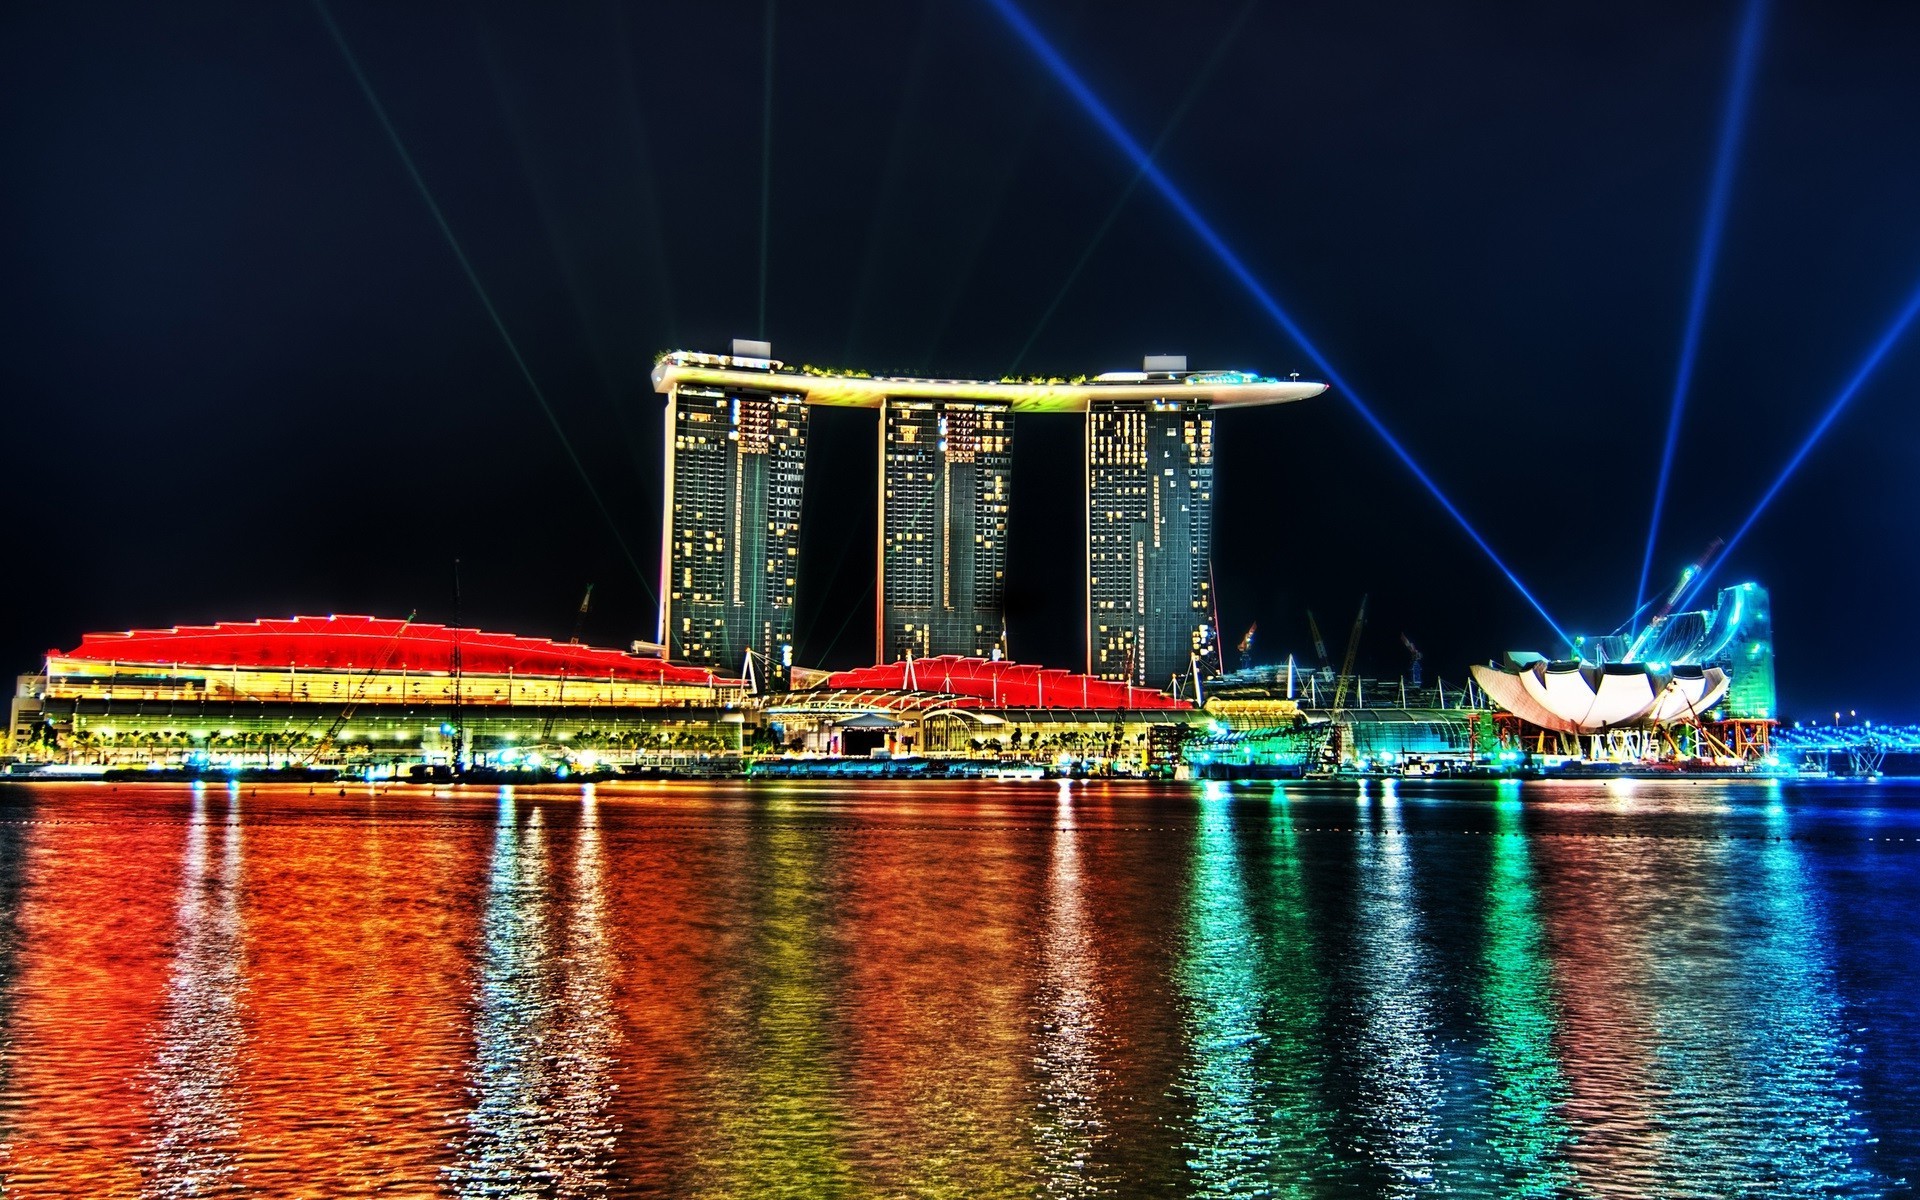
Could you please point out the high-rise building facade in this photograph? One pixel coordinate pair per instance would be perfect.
(1149, 536)
(945, 467)
(1744, 650)
(736, 435)
(735, 469)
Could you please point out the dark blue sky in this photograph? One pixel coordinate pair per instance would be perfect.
(244, 376)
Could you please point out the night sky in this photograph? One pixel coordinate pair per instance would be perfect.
(244, 374)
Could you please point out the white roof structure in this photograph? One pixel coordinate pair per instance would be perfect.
(1225, 389)
(1576, 697)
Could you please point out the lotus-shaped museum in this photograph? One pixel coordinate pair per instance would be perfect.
(1579, 697)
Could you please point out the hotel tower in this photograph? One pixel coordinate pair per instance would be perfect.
(736, 467)
(945, 466)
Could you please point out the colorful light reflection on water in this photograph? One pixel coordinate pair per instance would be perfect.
(997, 989)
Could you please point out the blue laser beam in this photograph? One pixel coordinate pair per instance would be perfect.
(1861, 374)
(1733, 122)
(1143, 162)
(1208, 69)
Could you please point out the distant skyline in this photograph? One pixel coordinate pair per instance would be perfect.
(245, 376)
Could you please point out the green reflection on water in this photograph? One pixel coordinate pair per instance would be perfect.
(1526, 1134)
(779, 1118)
(1296, 1004)
(1253, 1009)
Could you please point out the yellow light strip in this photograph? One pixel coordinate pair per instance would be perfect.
(845, 391)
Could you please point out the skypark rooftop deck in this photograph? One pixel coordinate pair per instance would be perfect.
(1226, 389)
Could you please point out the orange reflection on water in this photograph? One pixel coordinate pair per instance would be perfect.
(101, 918)
(937, 995)
(657, 907)
(360, 932)
(1134, 1043)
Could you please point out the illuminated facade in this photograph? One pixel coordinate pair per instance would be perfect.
(1746, 653)
(736, 464)
(1735, 636)
(1578, 697)
(945, 468)
(367, 691)
(1149, 536)
(954, 706)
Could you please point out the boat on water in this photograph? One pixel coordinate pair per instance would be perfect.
(1022, 771)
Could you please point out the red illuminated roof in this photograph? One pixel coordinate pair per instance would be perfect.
(375, 644)
(1002, 684)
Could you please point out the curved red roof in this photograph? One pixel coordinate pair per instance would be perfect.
(1002, 684)
(375, 644)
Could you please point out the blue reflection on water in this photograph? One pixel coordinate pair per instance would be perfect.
(1399, 1071)
(1750, 1089)
(1798, 1080)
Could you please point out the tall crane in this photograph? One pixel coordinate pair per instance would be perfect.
(1319, 646)
(579, 623)
(1246, 647)
(1672, 598)
(1413, 669)
(455, 666)
(1346, 664)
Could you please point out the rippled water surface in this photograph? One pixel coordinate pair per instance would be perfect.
(1622, 989)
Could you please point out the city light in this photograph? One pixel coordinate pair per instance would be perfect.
(1175, 198)
(1732, 123)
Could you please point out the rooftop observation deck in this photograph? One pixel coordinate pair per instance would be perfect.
(1226, 389)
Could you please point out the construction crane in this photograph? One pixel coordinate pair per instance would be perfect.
(560, 696)
(1686, 577)
(1346, 664)
(1246, 647)
(325, 741)
(1413, 669)
(1319, 646)
(455, 668)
